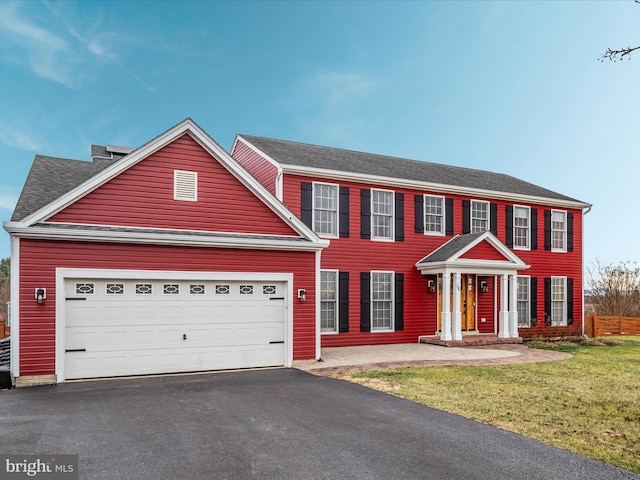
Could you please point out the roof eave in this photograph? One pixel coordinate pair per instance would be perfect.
(432, 187)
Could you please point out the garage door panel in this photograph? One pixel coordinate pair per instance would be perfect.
(129, 333)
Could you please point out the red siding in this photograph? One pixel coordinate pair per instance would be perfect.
(264, 171)
(484, 251)
(39, 260)
(356, 255)
(142, 196)
(485, 306)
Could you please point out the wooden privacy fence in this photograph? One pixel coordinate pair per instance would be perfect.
(597, 326)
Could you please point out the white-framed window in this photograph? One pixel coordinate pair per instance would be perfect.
(558, 231)
(558, 301)
(329, 301)
(381, 301)
(524, 301)
(479, 216)
(521, 227)
(434, 215)
(325, 209)
(382, 214)
(185, 186)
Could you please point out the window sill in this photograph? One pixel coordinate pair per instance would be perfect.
(329, 333)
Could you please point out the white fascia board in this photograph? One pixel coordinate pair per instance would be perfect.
(14, 351)
(155, 238)
(430, 187)
(478, 267)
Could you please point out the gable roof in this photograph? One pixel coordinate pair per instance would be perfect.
(54, 183)
(449, 255)
(294, 154)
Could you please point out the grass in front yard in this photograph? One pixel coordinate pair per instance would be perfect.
(589, 404)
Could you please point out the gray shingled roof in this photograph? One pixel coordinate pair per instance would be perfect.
(306, 155)
(51, 177)
(451, 248)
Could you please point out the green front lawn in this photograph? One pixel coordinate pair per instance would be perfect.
(589, 404)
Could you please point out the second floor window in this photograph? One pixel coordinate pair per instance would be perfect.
(433, 215)
(382, 214)
(558, 230)
(479, 216)
(521, 227)
(325, 209)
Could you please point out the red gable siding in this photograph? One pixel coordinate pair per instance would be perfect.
(483, 251)
(142, 196)
(39, 260)
(264, 171)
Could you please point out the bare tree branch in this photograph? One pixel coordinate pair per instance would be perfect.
(615, 55)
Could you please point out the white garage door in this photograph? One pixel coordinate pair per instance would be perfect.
(133, 327)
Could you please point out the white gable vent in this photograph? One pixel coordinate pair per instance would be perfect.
(185, 185)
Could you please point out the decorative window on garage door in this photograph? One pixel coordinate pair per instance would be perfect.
(269, 290)
(85, 288)
(171, 289)
(223, 289)
(114, 288)
(246, 289)
(144, 289)
(197, 289)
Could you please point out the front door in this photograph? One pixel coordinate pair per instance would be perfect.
(467, 302)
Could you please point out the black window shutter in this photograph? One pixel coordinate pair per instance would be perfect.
(365, 302)
(448, 216)
(306, 203)
(418, 201)
(466, 216)
(569, 301)
(399, 227)
(509, 225)
(494, 219)
(547, 229)
(569, 232)
(344, 212)
(343, 301)
(534, 229)
(365, 213)
(547, 298)
(533, 296)
(399, 301)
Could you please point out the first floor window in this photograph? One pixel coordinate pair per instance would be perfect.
(479, 216)
(558, 301)
(328, 301)
(524, 305)
(381, 301)
(382, 214)
(433, 215)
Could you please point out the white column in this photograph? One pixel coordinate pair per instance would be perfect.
(513, 306)
(456, 316)
(445, 321)
(503, 330)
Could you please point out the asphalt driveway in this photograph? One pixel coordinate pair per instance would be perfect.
(271, 424)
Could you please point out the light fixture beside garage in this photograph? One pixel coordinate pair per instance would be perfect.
(302, 294)
(41, 295)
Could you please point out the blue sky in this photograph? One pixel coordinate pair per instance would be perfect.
(513, 87)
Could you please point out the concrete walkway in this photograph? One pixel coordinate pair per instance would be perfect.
(380, 357)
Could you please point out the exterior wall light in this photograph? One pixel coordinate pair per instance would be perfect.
(484, 287)
(431, 285)
(302, 294)
(41, 295)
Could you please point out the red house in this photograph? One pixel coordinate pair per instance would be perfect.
(422, 249)
(172, 257)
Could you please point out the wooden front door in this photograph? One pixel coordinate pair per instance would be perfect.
(467, 302)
